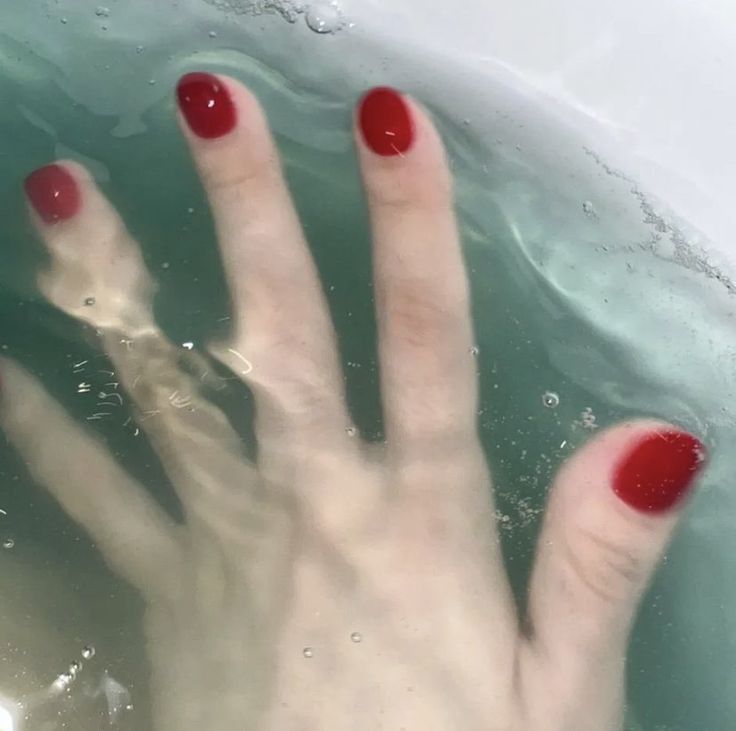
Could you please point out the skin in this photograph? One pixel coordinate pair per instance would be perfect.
(326, 535)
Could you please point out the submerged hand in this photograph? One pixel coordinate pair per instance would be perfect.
(333, 584)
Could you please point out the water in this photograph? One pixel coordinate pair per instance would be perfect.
(609, 308)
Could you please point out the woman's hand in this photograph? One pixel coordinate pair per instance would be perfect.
(336, 585)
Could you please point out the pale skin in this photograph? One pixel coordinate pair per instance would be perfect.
(326, 536)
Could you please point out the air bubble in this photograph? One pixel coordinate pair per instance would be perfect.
(63, 681)
(588, 419)
(324, 17)
(550, 399)
(88, 652)
(589, 209)
(8, 543)
(308, 652)
(356, 637)
(89, 301)
(74, 668)
(212, 34)
(351, 431)
(139, 49)
(64, 21)
(102, 11)
(474, 350)
(188, 346)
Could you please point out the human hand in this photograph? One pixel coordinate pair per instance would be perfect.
(335, 584)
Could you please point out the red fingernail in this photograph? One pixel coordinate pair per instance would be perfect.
(206, 105)
(54, 193)
(386, 122)
(660, 471)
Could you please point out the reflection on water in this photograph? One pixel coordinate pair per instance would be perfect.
(588, 310)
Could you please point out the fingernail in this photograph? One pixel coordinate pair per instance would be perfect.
(659, 471)
(54, 193)
(206, 105)
(386, 122)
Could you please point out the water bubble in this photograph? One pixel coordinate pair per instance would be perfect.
(212, 34)
(152, 82)
(89, 301)
(550, 399)
(356, 637)
(102, 11)
(139, 49)
(165, 265)
(589, 209)
(289, 10)
(64, 21)
(324, 17)
(351, 431)
(588, 419)
(8, 543)
(74, 667)
(474, 350)
(308, 652)
(88, 652)
(63, 681)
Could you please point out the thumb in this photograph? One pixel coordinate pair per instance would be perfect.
(611, 513)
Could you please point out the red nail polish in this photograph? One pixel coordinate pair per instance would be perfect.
(54, 193)
(386, 122)
(206, 104)
(659, 472)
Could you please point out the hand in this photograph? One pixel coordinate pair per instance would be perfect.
(334, 584)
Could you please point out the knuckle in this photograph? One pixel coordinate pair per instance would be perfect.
(233, 180)
(605, 567)
(290, 380)
(422, 321)
(416, 189)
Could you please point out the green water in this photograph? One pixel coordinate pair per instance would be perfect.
(605, 304)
